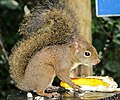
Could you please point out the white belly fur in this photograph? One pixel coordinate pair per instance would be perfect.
(75, 65)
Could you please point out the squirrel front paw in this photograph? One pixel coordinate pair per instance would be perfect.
(77, 88)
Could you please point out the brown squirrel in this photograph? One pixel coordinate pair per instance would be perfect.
(51, 46)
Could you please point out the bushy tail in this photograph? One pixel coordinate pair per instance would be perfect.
(52, 20)
(56, 30)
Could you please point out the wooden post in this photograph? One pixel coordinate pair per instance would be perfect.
(82, 8)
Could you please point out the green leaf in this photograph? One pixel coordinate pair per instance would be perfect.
(116, 39)
(112, 66)
(11, 4)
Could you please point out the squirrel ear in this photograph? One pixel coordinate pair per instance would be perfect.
(82, 44)
(76, 46)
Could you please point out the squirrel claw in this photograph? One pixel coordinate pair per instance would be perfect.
(77, 89)
(53, 95)
(56, 95)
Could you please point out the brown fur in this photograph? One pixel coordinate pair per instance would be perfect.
(52, 27)
(50, 61)
(49, 21)
(48, 49)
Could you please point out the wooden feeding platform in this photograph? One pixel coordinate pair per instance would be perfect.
(18, 95)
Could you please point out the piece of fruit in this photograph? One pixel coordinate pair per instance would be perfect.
(94, 83)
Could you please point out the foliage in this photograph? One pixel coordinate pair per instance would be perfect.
(106, 38)
(10, 16)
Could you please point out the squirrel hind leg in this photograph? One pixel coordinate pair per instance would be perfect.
(41, 93)
(49, 95)
(45, 82)
(41, 90)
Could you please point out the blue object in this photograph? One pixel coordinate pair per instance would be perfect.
(107, 8)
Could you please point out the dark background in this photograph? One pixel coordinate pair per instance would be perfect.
(106, 39)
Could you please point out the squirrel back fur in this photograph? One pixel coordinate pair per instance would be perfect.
(50, 20)
(42, 28)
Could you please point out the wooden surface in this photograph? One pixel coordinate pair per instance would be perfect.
(86, 96)
(82, 9)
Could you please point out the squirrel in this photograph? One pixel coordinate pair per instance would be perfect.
(51, 46)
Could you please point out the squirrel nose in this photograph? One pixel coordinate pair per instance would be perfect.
(98, 60)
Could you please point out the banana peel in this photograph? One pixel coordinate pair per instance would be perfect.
(94, 83)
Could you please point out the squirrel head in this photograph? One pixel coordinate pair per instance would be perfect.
(85, 53)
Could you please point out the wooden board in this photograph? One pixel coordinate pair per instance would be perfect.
(82, 9)
(65, 96)
(95, 96)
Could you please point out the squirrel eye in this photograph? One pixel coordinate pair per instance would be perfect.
(87, 54)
